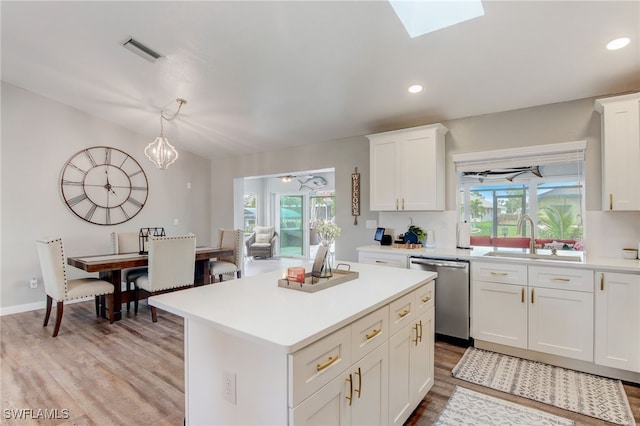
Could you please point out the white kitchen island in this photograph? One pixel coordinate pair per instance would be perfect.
(256, 353)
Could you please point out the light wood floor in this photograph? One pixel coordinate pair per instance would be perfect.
(131, 372)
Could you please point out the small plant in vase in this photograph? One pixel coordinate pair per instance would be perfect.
(328, 232)
(422, 236)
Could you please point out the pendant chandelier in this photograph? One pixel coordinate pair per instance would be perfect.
(160, 151)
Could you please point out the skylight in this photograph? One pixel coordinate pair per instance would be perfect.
(421, 17)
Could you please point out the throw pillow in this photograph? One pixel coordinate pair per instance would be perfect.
(264, 234)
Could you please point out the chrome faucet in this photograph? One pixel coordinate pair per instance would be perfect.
(532, 243)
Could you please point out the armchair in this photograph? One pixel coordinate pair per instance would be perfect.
(262, 243)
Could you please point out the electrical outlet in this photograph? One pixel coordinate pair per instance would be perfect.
(33, 283)
(229, 386)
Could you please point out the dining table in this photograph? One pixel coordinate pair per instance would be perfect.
(110, 267)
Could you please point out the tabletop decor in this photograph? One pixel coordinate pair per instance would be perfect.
(143, 237)
(327, 230)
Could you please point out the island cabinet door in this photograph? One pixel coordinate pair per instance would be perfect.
(422, 357)
(357, 397)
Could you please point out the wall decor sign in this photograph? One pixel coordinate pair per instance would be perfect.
(355, 196)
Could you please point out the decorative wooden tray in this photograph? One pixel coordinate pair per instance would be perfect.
(312, 284)
(407, 246)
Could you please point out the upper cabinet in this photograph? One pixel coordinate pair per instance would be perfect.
(620, 152)
(407, 169)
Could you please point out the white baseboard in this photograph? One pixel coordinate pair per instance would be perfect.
(9, 310)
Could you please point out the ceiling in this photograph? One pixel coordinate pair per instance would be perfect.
(266, 75)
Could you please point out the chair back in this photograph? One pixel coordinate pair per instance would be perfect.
(52, 264)
(171, 261)
(232, 238)
(125, 242)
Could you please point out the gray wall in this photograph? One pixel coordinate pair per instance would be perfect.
(38, 137)
(546, 124)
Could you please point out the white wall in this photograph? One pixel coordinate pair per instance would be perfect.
(38, 136)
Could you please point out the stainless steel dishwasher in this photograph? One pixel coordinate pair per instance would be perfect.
(452, 294)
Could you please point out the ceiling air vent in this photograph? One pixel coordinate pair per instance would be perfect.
(141, 50)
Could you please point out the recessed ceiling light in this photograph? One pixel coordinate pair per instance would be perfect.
(618, 43)
(416, 88)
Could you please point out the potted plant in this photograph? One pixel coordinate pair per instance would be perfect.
(422, 236)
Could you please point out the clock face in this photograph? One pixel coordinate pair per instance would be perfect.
(104, 185)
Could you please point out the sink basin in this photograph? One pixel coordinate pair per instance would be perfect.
(540, 256)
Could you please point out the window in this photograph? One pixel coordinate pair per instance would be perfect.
(250, 210)
(494, 196)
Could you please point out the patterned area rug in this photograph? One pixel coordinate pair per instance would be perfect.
(582, 393)
(467, 407)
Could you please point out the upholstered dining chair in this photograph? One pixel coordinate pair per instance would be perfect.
(128, 242)
(231, 265)
(171, 268)
(59, 288)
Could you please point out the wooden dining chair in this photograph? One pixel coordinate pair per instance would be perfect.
(128, 242)
(59, 288)
(230, 265)
(171, 268)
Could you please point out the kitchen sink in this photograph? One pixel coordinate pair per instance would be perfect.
(537, 256)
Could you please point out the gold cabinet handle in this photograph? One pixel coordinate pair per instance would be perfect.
(560, 279)
(610, 201)
(420, 335)
(522, 295)
(331, 360)
(601, 282)
(532, 296)
(426, 299)
(380, 261)
(359, 390)
(373, 334)
(404, 313)
(350, 397)
(499, 273)
(415, 327)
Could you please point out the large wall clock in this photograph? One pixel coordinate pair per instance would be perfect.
(104, 185)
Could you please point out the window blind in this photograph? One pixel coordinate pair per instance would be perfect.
(538, 155)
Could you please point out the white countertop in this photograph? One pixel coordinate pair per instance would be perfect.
(256, 308)
(478, 253)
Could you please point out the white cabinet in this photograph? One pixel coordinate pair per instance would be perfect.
(499, 303)
(617, 322)
(546, 309)
(410, 352)
(561, 312)
(356, 397)
(382, 360)
(384, 259)
(407, 169)
(620, 152)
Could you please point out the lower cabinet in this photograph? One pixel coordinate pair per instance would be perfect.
(500, 313)
(411, 363)
(545, 309)
(617, 311)
(372, 372)
(499, 303)
(356, 397)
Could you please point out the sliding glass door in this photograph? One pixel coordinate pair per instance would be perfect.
(291, 221)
